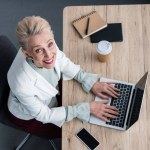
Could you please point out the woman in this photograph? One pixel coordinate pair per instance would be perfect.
(33, 79)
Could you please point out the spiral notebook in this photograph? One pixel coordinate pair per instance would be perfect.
(89, 24)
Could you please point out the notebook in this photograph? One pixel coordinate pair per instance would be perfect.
(89, 24)
(128, 104)
(113, 33)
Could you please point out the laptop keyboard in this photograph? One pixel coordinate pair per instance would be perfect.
(121, 103)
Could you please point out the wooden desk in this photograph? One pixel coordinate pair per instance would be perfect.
(129, 60)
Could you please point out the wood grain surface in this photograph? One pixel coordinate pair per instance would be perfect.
(128, 61)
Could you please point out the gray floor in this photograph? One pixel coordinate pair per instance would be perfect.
(10, 138)
(11, 11)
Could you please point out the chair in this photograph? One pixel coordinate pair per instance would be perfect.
(7, 55)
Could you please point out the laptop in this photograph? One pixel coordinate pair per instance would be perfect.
(128, 103)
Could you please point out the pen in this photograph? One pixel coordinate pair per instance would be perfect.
(87, 26)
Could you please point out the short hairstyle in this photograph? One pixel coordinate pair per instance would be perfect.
(29, 26)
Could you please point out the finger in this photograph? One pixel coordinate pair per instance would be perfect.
(112, 108)
(111, 94)
(110, 111)
(103, 96)
(116, 89)
(111, 82)
(110, 115)
(113, 91)
(104, 119)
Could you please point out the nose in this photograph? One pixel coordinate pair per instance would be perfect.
(47, 52)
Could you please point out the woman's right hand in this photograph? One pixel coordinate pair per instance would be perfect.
(101, 110)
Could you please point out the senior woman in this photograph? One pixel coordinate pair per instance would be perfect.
(33, 79)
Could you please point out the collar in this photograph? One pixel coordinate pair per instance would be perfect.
(36, 78)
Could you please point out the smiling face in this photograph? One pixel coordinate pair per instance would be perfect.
(42, 49)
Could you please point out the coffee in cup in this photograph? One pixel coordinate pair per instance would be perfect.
(104, 49)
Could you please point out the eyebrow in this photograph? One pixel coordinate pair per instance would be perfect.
(40, 45)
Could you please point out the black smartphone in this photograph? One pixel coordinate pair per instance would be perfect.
(87, 139)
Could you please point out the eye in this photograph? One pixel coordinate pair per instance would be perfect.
(51, 44)
(39, 50)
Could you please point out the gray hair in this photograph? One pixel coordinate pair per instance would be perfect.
(29, 26)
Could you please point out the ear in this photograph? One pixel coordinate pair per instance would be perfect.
(26, 53)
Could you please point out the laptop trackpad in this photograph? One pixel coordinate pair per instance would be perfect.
(95, 120)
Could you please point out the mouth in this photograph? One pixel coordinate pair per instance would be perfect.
(49, 61)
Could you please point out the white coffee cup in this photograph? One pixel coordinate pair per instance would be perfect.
(104, 49)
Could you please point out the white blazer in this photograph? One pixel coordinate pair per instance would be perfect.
(30, 94)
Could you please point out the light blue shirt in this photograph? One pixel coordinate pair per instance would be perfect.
(87, 80)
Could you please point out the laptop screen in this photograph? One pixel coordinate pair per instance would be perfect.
(136, 101)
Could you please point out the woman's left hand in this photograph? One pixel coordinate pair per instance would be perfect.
(105, 90)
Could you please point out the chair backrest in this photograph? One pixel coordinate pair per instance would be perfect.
(7, 55)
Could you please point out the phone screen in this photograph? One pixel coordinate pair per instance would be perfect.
(87, 139)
